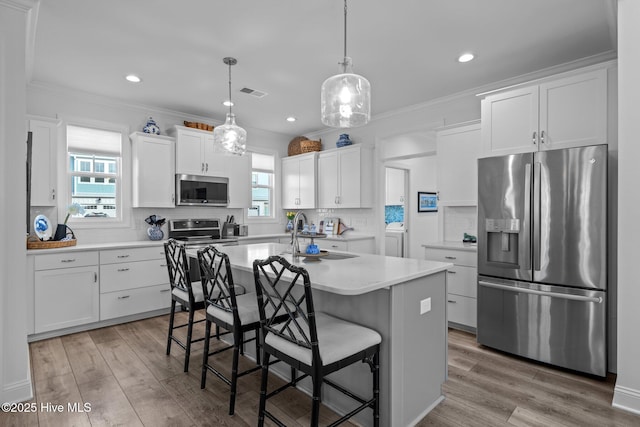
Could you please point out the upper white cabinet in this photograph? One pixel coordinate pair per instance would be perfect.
(394, 193)
(563, 112)
(44, 161)
(153, 168)
(299, 181)
(344, 177)
(195, 155)
(458, 149)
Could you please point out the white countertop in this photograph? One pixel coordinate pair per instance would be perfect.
(449, 244)
(349, 237)
(350, 276)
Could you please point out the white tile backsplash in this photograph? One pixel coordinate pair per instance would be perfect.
(459, 220)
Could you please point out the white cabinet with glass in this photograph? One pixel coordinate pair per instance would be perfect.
(44, 134)
(299, 181)
(153, 170)
(66, 290)
(560, 112)
(345, 176)
(458, 148)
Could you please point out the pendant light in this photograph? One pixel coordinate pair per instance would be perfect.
(345, 99)
(230, 137)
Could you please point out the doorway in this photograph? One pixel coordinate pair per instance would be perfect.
(395, 211)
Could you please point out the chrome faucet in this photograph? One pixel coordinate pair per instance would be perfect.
(295, 246)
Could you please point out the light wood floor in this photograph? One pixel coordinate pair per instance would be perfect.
(122, 371)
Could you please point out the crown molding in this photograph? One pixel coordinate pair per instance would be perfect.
(21, 5)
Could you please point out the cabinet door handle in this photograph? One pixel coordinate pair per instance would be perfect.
(124, 297)
(163, 265)
(534, 137)
(202, 167)
(449, 257)
(53, 194)
(542, 137)
(164, 290)
(123, 269)
(452, 301)
(123, 256)
(95, 277)
(334, 246)
(451, 271)
(68, 260)
(207, 167)
(173, 198)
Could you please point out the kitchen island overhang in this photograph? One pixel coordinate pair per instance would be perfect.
(403, 299)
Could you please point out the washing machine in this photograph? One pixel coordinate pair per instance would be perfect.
(394, 239)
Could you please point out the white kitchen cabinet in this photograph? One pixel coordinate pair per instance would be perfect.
(195, 154)
(153, 165)
(66, 290)
(345, 177)
(44, 160)
(562, 112)
(132, 281)
(299, 181)
(458, 149)
(461, 284)
(394, 184)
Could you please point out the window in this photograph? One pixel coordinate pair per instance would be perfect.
(262, 183)
(94, 172)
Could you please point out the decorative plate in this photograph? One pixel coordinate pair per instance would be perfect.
(42, 227)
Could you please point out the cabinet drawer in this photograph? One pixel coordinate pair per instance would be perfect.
(468, 258)
(332, 245)
(65, 260)
(131, 275)
(461, 310)
(131, 254)
(134, 301)
(462, 281)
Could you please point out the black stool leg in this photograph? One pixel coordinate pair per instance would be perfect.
(315, 408)
(263, 388)
(189, 334)
(376, 389)
(205, 357)
(171, 318)
(237, 338)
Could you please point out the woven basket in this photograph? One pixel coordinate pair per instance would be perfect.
(34, 243)
(196, 125)
(301, 145)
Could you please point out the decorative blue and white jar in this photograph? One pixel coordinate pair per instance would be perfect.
(343, 141)
(151, 127)
(155, 233)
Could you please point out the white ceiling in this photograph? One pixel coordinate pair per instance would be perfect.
(407, 49)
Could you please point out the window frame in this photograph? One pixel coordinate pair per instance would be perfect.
(273, 218)
(123, 179)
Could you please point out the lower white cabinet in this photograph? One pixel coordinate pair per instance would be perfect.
(66, 290)
(461, 284)
(133, 281)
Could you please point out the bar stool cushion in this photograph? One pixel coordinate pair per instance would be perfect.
(198, 296)
(247, 310)
(337, 340)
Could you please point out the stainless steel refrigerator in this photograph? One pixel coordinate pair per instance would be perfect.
(542, 256)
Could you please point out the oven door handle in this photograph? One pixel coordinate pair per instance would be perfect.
(597, 300)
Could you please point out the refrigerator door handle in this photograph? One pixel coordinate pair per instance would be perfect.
(597, 300)
(537, 188)
(525, 254)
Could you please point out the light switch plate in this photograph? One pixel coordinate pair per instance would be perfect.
(425, 305)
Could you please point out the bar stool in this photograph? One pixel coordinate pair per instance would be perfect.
(189, 295)
(312, 342)
(230, 308)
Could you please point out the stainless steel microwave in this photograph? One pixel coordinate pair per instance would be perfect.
(194, 190)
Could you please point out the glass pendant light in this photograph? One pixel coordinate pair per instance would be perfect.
(230, 137)
(345, 99)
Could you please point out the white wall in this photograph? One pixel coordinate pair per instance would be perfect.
(627, 390)
(15, 382)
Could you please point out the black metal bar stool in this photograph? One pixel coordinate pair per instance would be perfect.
(314, 343)
(189, 295)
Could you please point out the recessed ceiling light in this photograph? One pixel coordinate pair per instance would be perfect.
(291, 119)
(133, 78)
(227, 103)
(465, 57)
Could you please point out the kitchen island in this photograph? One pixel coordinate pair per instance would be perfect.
(403, 299)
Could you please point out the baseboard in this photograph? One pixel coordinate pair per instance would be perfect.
(626, 399)
(19, 391)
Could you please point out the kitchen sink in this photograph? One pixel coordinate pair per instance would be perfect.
(335, 256)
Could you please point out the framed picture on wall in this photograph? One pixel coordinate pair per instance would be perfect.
(427, 201)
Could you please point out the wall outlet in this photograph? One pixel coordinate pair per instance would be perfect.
(425, 305)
